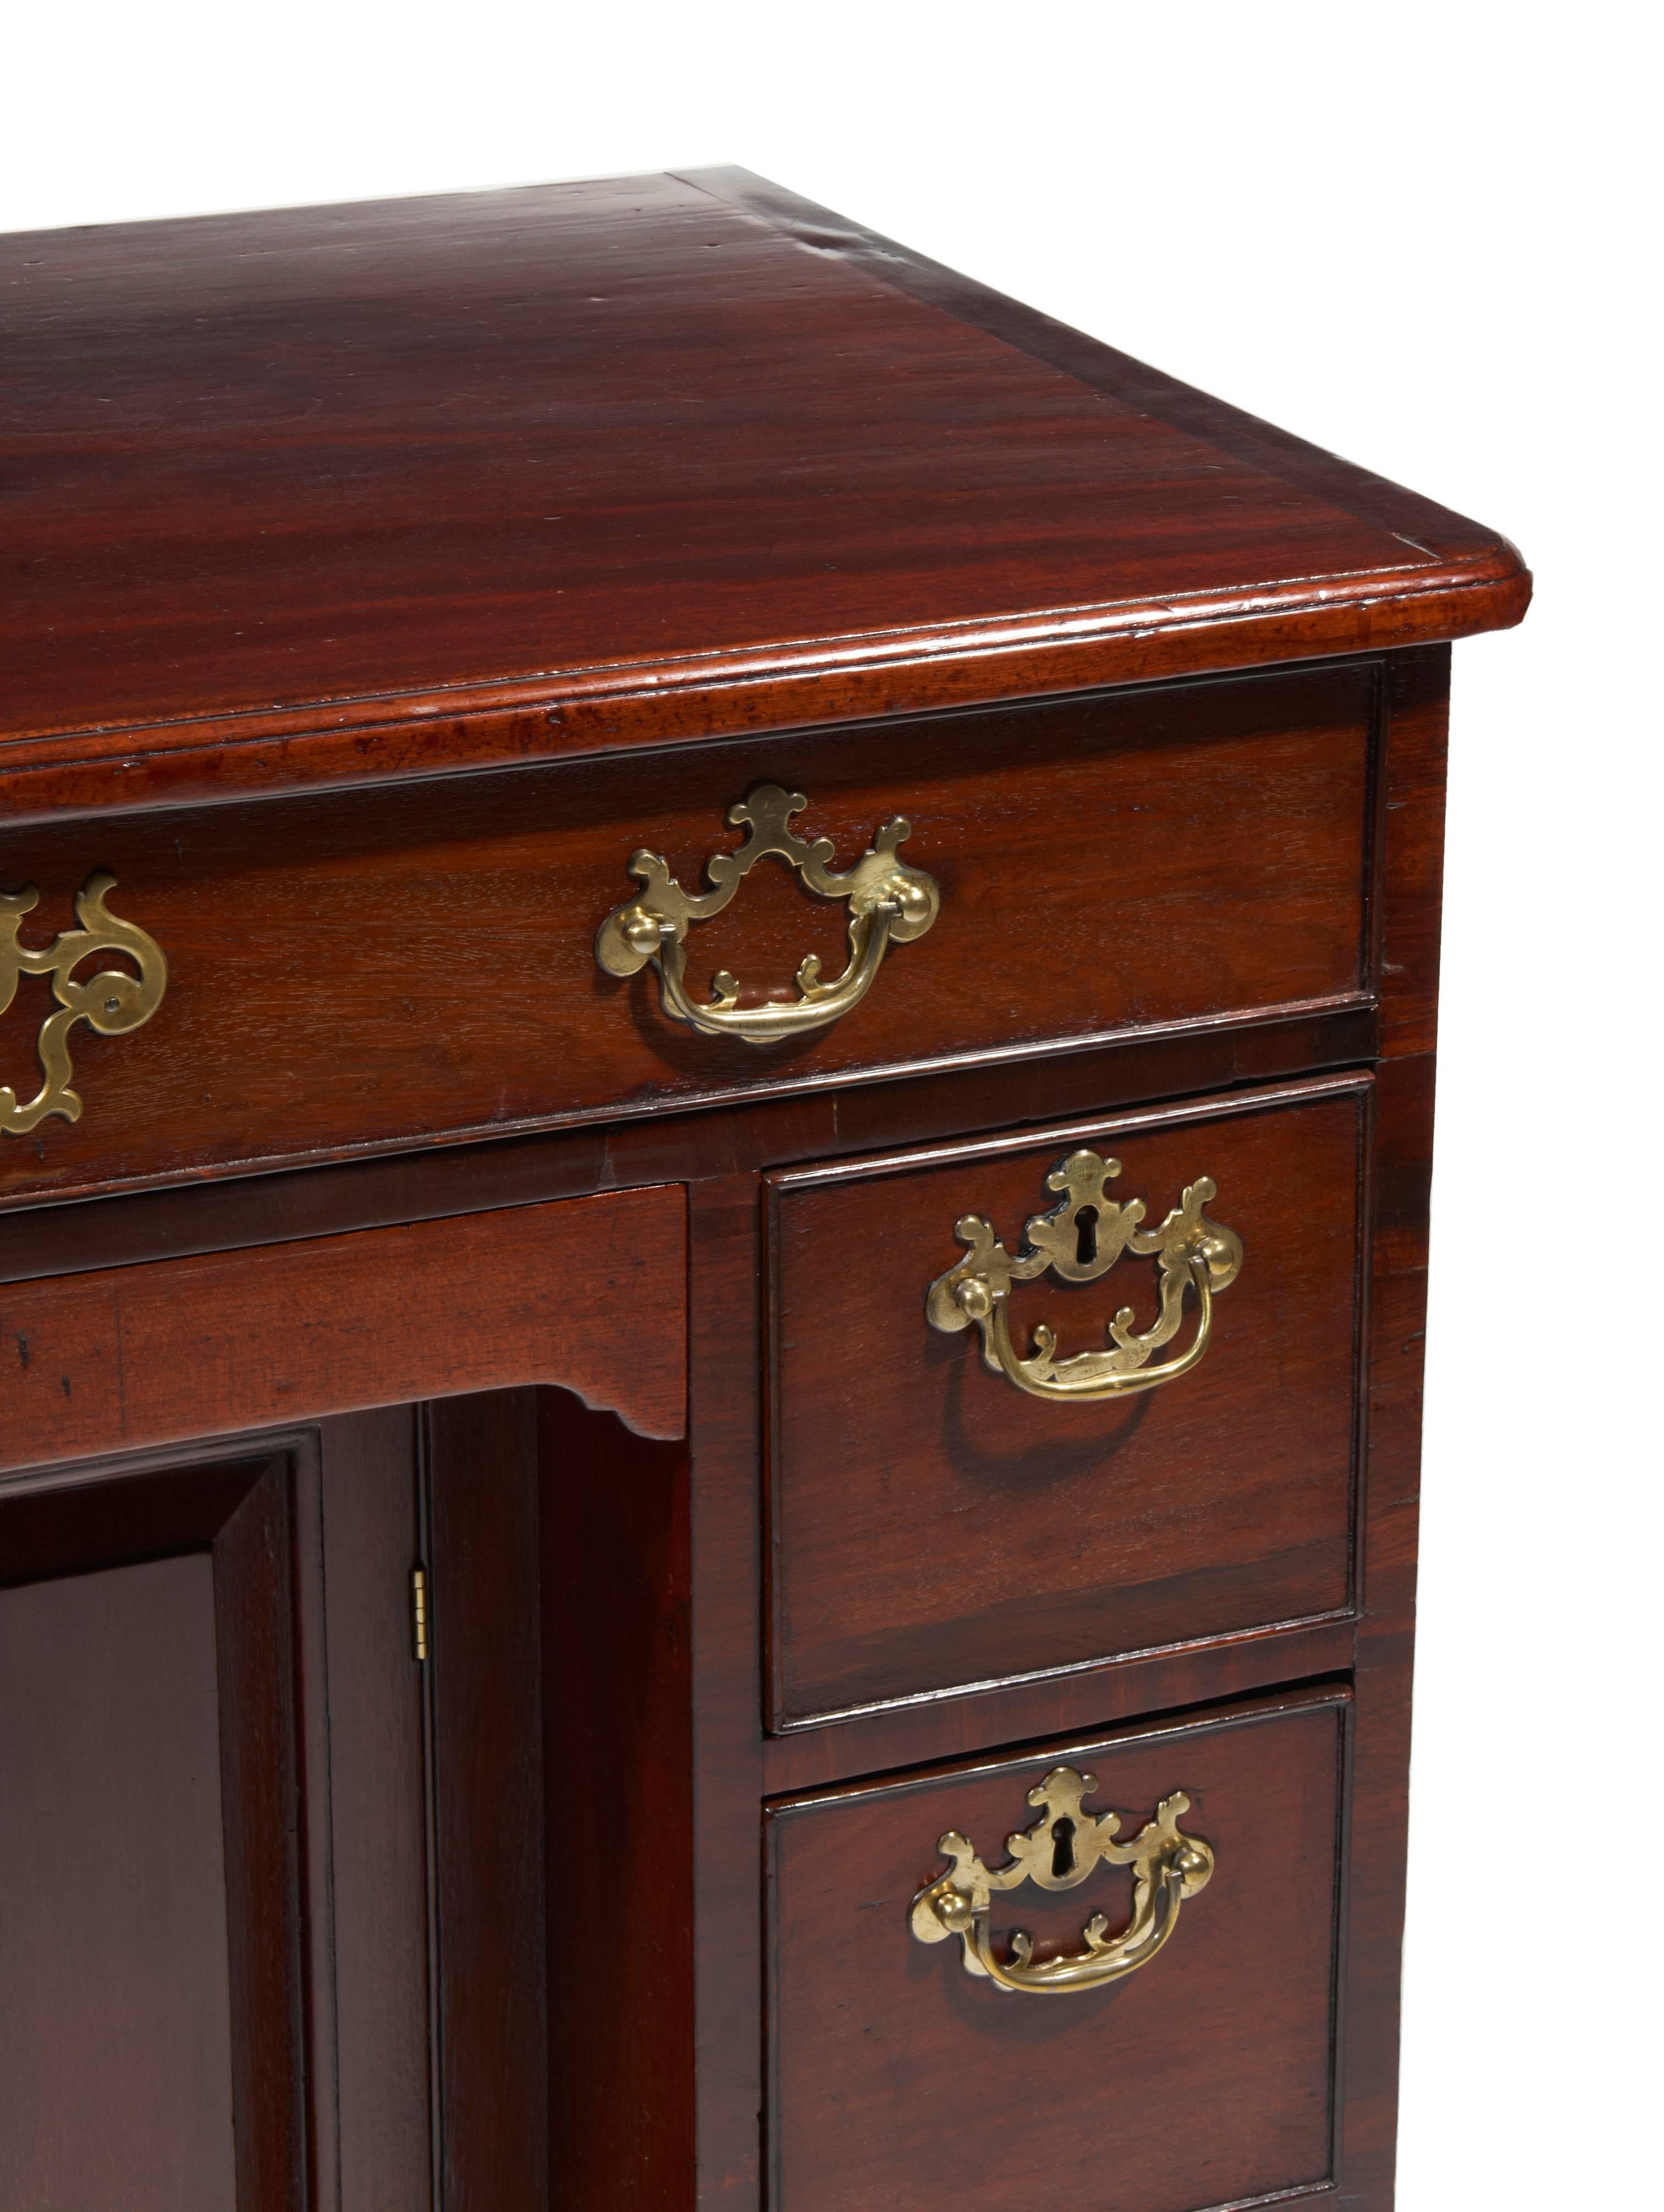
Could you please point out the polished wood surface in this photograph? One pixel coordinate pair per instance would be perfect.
(386, 575)
(381, 488)
(932, 1528)
(372, 1535)
(1107, 865)
(159, 1817)
(1207, 2077)
(562, 1768)
(614, 1534)
(236, 1213)
(294, 1911)
(490, 1797)
(144, 1356)
(113, 1953)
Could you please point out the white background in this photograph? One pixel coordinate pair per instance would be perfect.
(1413, 233)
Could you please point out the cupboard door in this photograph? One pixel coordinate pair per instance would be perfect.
(214, 1927)
(292, 1917)
(153, 1838)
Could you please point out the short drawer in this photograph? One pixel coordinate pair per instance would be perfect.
(380, 967)
(937, 1522)
(1185, 2059)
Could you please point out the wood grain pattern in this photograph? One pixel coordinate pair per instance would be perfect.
(268, 1899)
(1374, 1922)
(617, 1710)
(217, 1686)
(377, 1843)
(144, 1355)
(562, 1791)
(1206, 2078)
(1411, 865)
(383, 966)
(633, 494)
(374, 489)
(923, 1731)
(932, 1528)
(725, 1435)
(486, 1677)
(805, 1125)
(112, 1927)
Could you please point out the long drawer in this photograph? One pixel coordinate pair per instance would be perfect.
(376, 967)
(952, 1504)
(1166, 2040)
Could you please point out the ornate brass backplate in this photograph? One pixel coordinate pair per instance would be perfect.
(888, 905)
(1083, 1237)
(1062, 1848)
(112, 1001)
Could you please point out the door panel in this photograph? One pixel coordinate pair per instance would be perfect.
(153, 1897)
(489, 1800)
(112, 1937)
(562, 1783)
(290, 1919)
(378, 1827)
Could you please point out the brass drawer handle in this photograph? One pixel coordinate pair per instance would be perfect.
(112, 1001)
(1061, 1849)
(888, 905)
(1080, 1239)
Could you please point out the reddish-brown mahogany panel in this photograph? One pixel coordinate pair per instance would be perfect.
(617, 1721)
(377, 1830)
(933, 1527)
(107, 1698)
(900, 2083)
(155, 1883)
(188, 1347)
(490, 1792)
(228, 1213)
(635, 493)
(1375, 1903)
(563, 1794)
(379, 967)
(672, 456)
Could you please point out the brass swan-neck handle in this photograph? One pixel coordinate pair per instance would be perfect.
(1081, 1238)
(890, 903)
(1062, 1848)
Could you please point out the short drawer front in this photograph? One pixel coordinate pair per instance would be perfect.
(933, 1526)
(1198, 2072)
(377, 967)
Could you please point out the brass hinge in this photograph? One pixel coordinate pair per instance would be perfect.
(419, 1612)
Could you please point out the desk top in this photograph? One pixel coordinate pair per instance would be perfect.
(406, 486)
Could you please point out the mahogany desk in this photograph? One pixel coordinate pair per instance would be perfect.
(538, 1485)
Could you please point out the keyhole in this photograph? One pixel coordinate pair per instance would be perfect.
(1086, 1236)
(1063, 1849)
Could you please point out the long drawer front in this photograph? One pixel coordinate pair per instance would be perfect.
(214, 987)
(1110, 1982)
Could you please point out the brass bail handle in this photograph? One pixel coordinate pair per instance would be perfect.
(890, 903)
(1082, 1238)
(1065, 1845)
